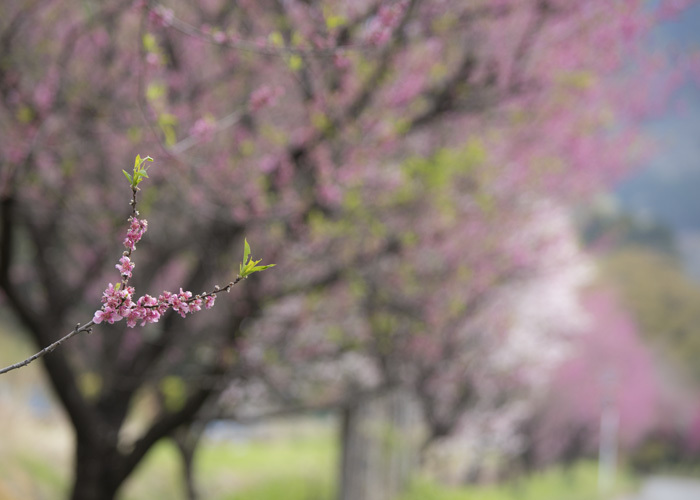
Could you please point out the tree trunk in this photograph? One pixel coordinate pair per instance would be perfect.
(187, 439)
(379, 447)
(94, 477)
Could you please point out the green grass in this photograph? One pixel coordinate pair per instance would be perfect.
(290, 468)
(44, 473)
(30, 475)
(575, 483)
(287, 489)
(304, 468)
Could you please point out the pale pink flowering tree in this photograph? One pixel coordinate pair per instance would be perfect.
(608, 365)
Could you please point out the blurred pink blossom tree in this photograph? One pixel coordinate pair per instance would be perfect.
(270, 118)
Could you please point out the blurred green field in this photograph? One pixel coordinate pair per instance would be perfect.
(289, 468)
(579, 482)
(304, 468)
(281, 467)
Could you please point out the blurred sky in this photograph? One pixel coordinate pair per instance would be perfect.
(668, 188)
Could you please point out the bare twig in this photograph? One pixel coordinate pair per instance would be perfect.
(78, 329)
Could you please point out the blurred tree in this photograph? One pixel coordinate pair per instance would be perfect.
(664, 302)
(270, 114)
(608, 365)
(433, 327)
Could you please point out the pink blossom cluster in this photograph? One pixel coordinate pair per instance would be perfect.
(116, 301)
(136, 230)
(125, 266)
(118, 304)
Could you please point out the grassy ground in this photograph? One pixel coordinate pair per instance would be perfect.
(291, 467)
(35, 463)
(579, 482)
(293, 462)
(303, 468)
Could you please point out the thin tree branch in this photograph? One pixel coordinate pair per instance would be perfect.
(78, 329)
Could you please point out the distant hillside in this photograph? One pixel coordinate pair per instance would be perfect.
(673, 200)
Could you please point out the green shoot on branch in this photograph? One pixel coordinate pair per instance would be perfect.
(250, 266)
(140, 172)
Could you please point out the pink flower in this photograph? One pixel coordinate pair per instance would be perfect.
(125, 307)
(133, 316)
(117, 300)
(152, 315)
(209, 301)
(145, 310)
(109, 292)
(136, 230)
(179, 302)
(107, 314)
(195, 305)
(125, 267)
(151, 311)
(99, 316)
(164, 300)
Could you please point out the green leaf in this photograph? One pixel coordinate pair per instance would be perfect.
(250, 266)
(140, 172)
(138, 163)
(261, 268)
(246, 250)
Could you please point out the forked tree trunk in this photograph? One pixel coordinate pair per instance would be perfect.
(187, 440)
